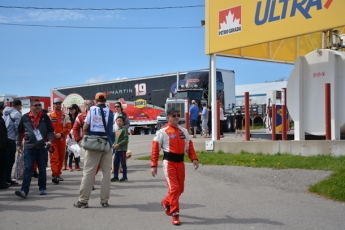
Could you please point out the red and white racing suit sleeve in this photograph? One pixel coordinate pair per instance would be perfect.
(156, 148)
(77, 128)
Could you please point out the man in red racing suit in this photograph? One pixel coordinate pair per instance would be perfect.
(175, 141)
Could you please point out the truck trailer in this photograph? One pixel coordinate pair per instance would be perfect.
(143, 99)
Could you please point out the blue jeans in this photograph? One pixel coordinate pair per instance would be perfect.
(41, 157)
(120, 157)
(11, 157)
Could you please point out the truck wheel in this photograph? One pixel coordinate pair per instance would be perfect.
(142, 131)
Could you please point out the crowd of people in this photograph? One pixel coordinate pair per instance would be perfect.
(38, 133)
(203, 117)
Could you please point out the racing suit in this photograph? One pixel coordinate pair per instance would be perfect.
(78, 124)
(174, 142)
(61, 124)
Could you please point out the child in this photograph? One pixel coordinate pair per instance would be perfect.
(120, 145)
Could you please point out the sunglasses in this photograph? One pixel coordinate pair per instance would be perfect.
(176, 115)
(37, 105)
(117, 107)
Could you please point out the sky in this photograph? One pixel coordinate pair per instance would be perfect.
(35, 59)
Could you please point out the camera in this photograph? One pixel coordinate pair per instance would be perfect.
(49, 148)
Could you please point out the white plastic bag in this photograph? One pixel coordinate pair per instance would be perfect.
(73, 146)
(19, 168)
(75, 149)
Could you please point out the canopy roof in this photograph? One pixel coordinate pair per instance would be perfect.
(270, 30)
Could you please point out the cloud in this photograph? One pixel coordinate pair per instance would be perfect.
(95, 79)
(55, 15)
(3, 19)
(58, 15)
(119, 78)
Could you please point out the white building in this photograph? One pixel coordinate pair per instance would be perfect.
(257, 92)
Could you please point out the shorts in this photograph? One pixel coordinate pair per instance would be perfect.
(193, 123)
(238, 126)
(204, 124)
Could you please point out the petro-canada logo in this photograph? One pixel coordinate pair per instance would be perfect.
(230, 21)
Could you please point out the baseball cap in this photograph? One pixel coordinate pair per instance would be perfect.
(73, 106)
(193, 101)
(2, 106)
(100, 95)
(171, 110)
(16, 102)
(57, 100)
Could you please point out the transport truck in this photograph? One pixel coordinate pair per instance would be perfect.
(143, 99)
(195, 87)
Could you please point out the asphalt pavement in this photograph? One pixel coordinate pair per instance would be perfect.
(215, 197)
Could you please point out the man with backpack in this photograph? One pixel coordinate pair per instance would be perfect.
(12, 116)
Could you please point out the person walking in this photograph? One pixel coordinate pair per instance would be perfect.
(62, 127)
(175, 141)
(94, 126)
(222, 120)
(193, 117)
(120, 146)
(74, 111)
(209, 121)
(35, 126)
(3, 146)
(204, 119)
(12, 116)
(238, 122)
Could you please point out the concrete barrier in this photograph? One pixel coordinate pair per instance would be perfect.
(303, 148)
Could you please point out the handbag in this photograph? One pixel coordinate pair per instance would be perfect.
(96, 143)
(19, 167)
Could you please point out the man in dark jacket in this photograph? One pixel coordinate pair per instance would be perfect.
(36, 127)
(3, 145)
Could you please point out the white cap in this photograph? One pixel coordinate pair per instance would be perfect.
(57, 100)
(193, 102)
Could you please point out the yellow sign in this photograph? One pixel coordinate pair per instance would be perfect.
(278, 30)
(140, 103)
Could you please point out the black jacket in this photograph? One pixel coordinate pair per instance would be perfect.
(45, 127)
(3, 133)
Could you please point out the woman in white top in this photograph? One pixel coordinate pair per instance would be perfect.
(222, 119)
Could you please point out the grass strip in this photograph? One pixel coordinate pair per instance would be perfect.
(332, 187)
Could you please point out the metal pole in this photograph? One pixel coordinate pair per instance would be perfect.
(284, 131)
(209, 81)
(177, 80)
(214, 97)
(246, 115)
(328, 110)
(273, 122)
(187, 115)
